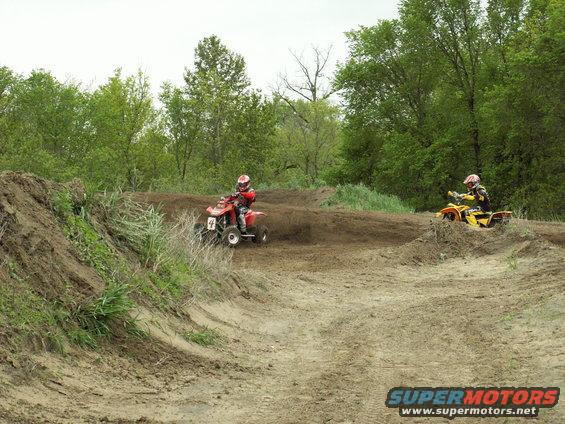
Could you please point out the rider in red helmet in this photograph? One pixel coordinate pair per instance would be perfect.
(476, 192)
(246, 197)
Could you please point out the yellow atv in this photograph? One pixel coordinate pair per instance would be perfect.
(456, 212)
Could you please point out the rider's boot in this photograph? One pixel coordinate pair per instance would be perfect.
(242, 226)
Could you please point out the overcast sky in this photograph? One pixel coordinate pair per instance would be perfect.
(86, 40)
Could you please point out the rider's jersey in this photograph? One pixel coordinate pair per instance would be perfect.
(247, 197)
(481, 197)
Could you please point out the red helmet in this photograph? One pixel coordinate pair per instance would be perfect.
(243, 183)
(472, 181)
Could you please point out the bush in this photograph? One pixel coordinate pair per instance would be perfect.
(360, 198)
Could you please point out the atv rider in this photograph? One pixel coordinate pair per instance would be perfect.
(245, 196)
(478, 193)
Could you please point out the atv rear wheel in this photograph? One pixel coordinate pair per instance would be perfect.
(261, 235)
(231, 236)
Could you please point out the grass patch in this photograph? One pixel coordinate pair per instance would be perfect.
(508, 317)
(91, 320)
(27, 314)
(512, 261)
(361, 198)
(96, 318)
(141, 228)
(206, 337)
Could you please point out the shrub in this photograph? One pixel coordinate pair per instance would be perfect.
(360, 198)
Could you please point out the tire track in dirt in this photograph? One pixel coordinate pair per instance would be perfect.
(347, 321)
(357, 333)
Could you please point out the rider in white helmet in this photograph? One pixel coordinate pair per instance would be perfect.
(476, 192)
(246, 196)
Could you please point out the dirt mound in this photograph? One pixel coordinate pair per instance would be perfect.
(33, 247)
(446, 240)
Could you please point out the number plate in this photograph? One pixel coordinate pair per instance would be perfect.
(211, 223)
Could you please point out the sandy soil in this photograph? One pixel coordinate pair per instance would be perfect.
(335, 311)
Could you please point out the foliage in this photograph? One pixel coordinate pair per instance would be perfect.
(452, 88)
(306, 141)
(360, 198)
(216, 121)
(447, 89)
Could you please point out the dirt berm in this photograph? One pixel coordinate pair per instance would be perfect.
(336, 310)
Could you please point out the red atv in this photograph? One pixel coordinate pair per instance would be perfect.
(222, 224)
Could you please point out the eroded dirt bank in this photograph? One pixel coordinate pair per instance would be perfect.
(335, 311)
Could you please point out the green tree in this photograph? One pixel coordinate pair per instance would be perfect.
(183, 117)
(524, 114)
(451, 88)
(218, 125)
(455, 29)
(121, 111)
(309, 124)
(43, 124)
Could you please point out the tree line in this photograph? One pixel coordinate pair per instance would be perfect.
(197, 137)
(449, 88)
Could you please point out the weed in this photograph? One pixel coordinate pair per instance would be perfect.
(63, 204)
(82, 337)
(508, 317)
(512, 261)
(211, 263)
(206, 337)
(141, 228)
(177, 257)
(95, 317)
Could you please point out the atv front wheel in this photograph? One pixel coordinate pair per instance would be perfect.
(261, 235)
(204, 234)
(449, 217)
(231, 236)
(199, 229)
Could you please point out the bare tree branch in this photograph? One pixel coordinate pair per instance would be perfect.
(312, 84)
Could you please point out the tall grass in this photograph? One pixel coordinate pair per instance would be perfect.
(175, 253)
(361, 198)
(96, 317)
(207, 258)
(141, 227)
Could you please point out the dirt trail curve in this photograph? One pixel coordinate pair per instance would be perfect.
(338, 309)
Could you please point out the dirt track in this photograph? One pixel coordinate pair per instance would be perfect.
(335, 311)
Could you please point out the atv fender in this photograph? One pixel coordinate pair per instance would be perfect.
(450, 214)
